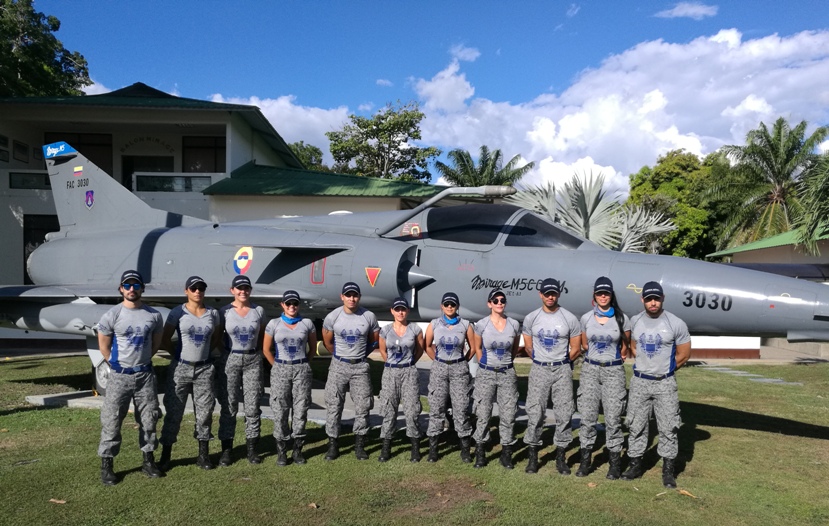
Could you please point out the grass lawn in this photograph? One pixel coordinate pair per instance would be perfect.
(750, 453)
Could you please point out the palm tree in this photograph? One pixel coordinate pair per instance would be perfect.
(768, 179)
(814, 197)
(490, 170)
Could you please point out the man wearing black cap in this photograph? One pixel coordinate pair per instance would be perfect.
(349, 333)
(660, 344)
(129, 334)
(552, 338)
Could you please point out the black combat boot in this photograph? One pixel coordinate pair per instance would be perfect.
(668, 479)
(281, 453)
(615, 470)
(480, 455)
(107, 474)
(203, 460)
(297, 456)
(532, 464)
(506, 457)
(634, 470)
(584, 467)
(466, 458)
(149, 468)
(360, 447)
(164, 462)
(253, 457)
(227, 450)
(433, 449)
(415, 457)
(385, 454)
(561, 461)
(333, 449)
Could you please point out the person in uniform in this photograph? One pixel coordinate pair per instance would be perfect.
(447, 339)
(290, 342)
(191, 370)
(349, 333)
(552, 338)
(401, 346)
(240, 367)
(660, 344)
(129, 335)
(606, 336)
(496, 344)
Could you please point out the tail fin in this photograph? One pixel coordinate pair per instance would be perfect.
(87, 198)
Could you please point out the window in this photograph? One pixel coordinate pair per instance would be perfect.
(97, 147)
(35, 228)
(29, 181)
(171, 183)
(203, 154)
(144, 163)
(474, 224)
(532, 231)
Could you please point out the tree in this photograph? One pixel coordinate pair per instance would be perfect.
(769, 168)
(309, 155)
(489, 171)
(814, 196)
(33, 63)
(382, 146)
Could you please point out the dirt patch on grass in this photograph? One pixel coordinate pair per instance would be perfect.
(438, 498)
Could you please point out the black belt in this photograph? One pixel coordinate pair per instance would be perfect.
(291, 362)
(501, 369)
(398, 365)
(131, 370)
(652, 377)
(450, 362)
(244, 352)
(604, 364)
(188, 362)
(352, 361)
(552, 364)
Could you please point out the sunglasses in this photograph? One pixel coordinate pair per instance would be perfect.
(292, 304)
(199, 288)
(602, 293)
(351, 295)
(449, 304)
(132, 286)
(498, 301)
(550, 294)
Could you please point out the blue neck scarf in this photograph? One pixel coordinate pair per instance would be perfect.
(604, 314)
(291, 321)
(451, 321)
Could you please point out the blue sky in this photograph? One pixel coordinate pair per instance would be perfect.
(574, 86)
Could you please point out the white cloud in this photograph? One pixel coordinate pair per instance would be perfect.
(694, 10)
(823, 147)
(367, 106)
(573, 10)
(96, 88)
(446, 91)
(385, 83)
(467, 54)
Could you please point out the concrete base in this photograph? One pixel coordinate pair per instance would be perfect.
(816, 349)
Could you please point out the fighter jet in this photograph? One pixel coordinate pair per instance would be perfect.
(420, 254)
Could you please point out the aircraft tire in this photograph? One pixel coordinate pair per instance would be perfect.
(100, 377)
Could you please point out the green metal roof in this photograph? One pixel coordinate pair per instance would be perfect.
(780, 240)
(251, 179)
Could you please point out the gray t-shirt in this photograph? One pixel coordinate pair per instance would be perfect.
(497, 345)
(132, 331)
(290, 344)
(449, 340)
(350, 331)
(400, 349)
(241, 333)
(194, 332)
(604, 342)
(656, 340)
(551, 332)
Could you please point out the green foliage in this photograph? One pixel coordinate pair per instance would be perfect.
(490, 170)
(309, 155)
(382, 146)
(814, 196)
(33, 63)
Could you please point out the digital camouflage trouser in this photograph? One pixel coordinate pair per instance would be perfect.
(449, 381)
(290, 391)
(400, 385)
(355, 379)
(605, 386)
(545, 381)
(235, 372)
(121, 388)
(182, 380)
(662, 396)
(503, 386)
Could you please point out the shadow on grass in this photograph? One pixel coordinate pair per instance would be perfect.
(711, 415)
(28, 409)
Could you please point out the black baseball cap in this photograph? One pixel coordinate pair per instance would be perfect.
(400, 302)
(550, 285)
(351, 287)
(194, 280)
(451, 297)
(241, 281)
(132, 274)
(289, 295)
(651, 289)
(495, 293)
(603, 284)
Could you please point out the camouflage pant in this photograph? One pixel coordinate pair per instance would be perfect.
(449, 381)
(121, 388)
(400, 385)
(290, 391)
(545, 381)
(662, 396)
(605, 386)
(235, 372)
(354, 378)
(503, 386)
(182, 380)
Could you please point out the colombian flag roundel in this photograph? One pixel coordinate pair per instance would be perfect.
(242, 260)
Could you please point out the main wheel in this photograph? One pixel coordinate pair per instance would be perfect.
(100, 376)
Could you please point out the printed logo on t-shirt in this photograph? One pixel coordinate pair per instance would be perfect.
(198, 335)
(601, 343)
(650, 343)
(243, 334)
(499, 349)
(291, 346)
(548, 339)
(137, 335)
(449, 343)
(351, 337)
